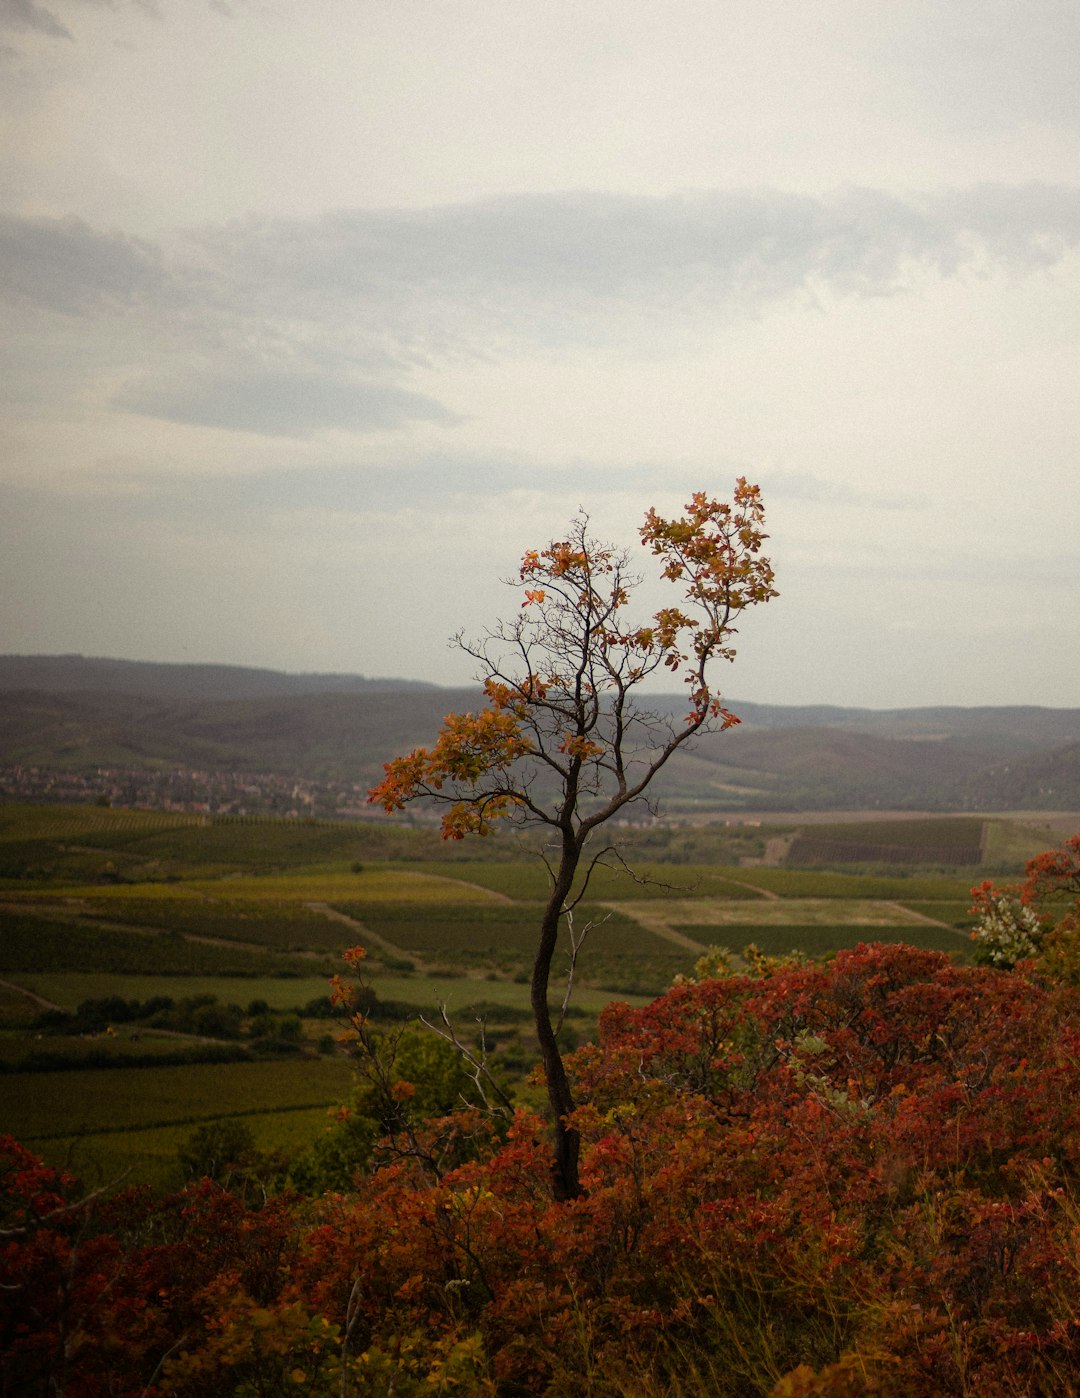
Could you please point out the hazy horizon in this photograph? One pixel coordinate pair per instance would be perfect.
(315, 319)
(656, 689)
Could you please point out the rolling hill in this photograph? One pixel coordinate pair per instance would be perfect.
(78, 714)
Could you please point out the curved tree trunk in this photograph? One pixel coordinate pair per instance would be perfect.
(564, 1166)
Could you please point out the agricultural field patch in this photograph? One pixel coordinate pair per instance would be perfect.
(32, 944)
(956, 913)
(275, 926)
(375, 885)
(70, 989)
(461, 993)
(82, 822)
(390, 883)
(43, 863)
(822, 939)
(109, 894)
(46, 1106)
(662, 881)
(949, 841)
(1011, 843)
(618, 952)
(822, 883)
(526, 880)
(253, 845)
(124, 1048)
(108, 1124)
(779, 912)
(148, 1155)
(638, 976)
(452, 928)
(267, 843)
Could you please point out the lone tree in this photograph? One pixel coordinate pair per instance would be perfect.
(564, 739)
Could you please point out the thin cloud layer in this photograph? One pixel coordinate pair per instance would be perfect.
(278, 403)
(65, 265)
(572, 250)
(396, 290)
(26, 15)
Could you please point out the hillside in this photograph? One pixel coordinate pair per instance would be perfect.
(74, 714)
(78, 674)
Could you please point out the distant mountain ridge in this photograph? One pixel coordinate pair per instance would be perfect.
(79, 674)
(76, 713)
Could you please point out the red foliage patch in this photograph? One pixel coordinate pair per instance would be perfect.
(855, 1177)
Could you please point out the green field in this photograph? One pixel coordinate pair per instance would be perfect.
(822, 883)
(955, 841)
(526, 879)
(956, 914)
(136, 1119)
(148, 1155)
(277, 926)
(375, 884)
(821, 939)
(30, 944)
(23, 824)
(461, 992)
(71, 988)
(141, 1097)
(98, 903)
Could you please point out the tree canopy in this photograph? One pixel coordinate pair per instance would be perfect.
(566, 739)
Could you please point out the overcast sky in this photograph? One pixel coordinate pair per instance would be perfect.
(316, 316)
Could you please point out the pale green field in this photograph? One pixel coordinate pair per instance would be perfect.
(1014, 842)
(69, 989)
(807, 912)
(69, 822)
(42, 1106)
(528, 880)
(821, 883)
(148, 1155)
(462, 990)
(375, 885)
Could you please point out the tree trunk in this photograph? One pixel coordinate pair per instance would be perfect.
(564, 1166)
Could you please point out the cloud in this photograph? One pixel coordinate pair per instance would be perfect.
(339, 312)
(343, 488)
(404, 478)
(596, 251)
(66, 265)
(989, 64)
(548, 257)
(25, 14)
(806, 486)
(279, 403)
(1023, 227)
(28, 15)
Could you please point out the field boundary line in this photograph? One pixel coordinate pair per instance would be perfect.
(365, 932)
(492, 893)
(176, 1121)
(653, 922)
(924, 917)
(31, 995)
(753, 887)
(88, 920)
